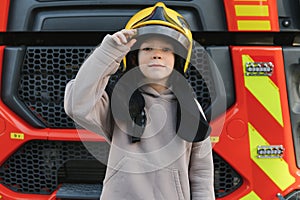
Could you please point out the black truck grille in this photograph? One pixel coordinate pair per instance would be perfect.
(44, 75)
(46, 71)
(38, 167)
(227, 180)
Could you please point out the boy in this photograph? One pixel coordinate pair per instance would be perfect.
(152, 155)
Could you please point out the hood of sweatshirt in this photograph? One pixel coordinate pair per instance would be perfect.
(167, 94)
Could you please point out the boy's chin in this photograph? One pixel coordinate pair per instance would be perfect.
(155, 77)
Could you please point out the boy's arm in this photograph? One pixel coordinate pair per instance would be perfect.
(86, 101)
(201, 171)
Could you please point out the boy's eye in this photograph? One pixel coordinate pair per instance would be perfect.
(167, 49)
(147, 49)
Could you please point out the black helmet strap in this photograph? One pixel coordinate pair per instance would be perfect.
(139, 118)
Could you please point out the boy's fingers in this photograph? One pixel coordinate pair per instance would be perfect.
(116, 39)
(129, 33)
(123, 36)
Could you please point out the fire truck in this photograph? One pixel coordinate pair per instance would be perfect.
(254, 44)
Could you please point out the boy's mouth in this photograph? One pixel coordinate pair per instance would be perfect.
(156, 65)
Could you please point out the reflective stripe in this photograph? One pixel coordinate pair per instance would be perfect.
(250, 196)
(276, 169)
(254, 25)
(265, 91)
(251, 10)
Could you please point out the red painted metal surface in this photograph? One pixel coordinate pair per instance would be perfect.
(234, 141)
(233, 18)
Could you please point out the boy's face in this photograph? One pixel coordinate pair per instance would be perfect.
(156, 59)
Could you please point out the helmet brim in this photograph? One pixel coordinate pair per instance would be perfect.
(180, 43)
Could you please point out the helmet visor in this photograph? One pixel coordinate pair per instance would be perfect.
(177, 39)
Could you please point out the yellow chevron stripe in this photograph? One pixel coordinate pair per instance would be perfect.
(254, 25)
(251, 10)
(250, 196)
(265, 91)
(276, 169)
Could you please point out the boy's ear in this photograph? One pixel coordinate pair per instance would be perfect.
(179, 64)
(132, 60)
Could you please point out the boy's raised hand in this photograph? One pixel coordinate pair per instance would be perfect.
(124, 37)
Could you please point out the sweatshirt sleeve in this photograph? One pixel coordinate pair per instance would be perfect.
(85, 100)
(201, 171)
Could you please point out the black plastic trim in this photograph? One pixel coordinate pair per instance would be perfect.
(29, 15)
(292, 73)
(75, 38)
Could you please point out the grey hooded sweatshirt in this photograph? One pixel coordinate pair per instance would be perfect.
(161, 166)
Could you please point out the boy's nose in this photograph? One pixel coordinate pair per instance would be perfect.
(156, 57)
(157, 54)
